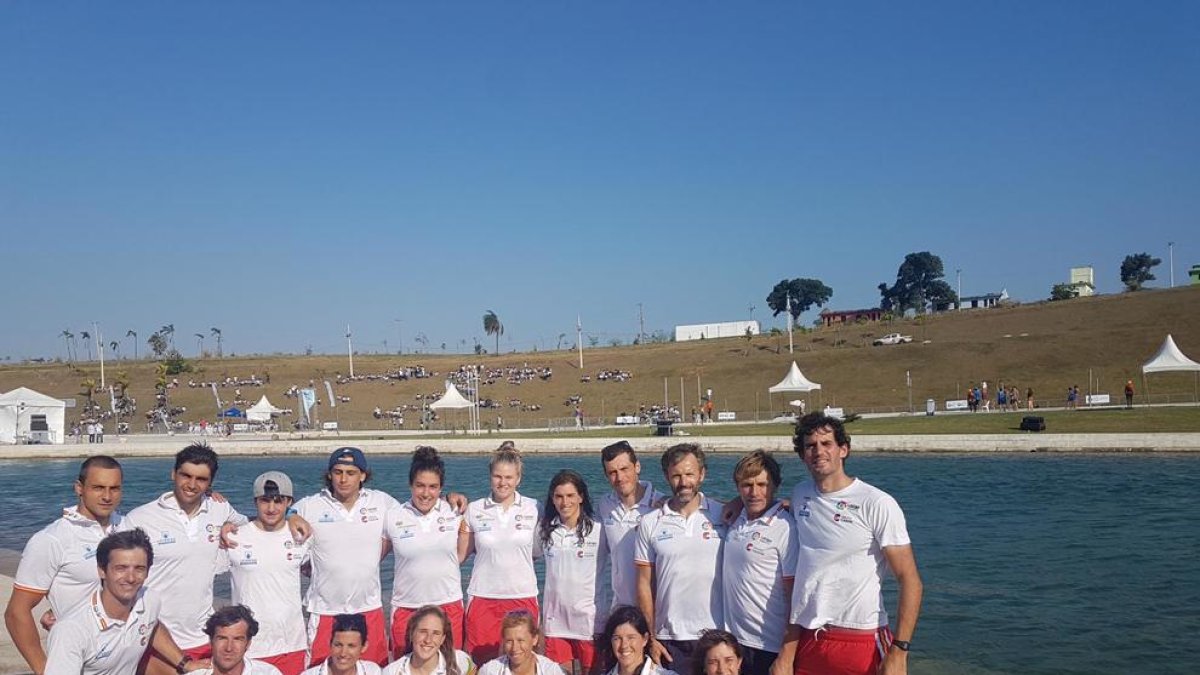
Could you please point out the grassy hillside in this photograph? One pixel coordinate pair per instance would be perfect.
(1047, 346)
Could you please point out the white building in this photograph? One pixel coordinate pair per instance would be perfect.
(709, 331)
(29, 417)
(1083, 280)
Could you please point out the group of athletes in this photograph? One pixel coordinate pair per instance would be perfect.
(643, 583)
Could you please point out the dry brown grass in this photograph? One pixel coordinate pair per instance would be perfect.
(1047, 346)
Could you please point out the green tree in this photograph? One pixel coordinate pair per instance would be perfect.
(158, 344)
(216, 332)
(67, 337)
(492, 326)
(1135, 270)
(804, 294)
(176, 364)
(87, 342)
(919, 285)
(133, 334)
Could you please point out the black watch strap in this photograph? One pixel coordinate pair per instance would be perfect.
(902, 645)
(181, 667)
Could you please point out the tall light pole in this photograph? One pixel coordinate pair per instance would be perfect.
(350, 350)
(100, 348)
(1171, 255)
(789, 320)
(958, 278)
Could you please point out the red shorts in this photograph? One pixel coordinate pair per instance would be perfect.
(483, 624)
(204, 651)
(453, 610)
(841, 651)
(565, 650)
(320, 630)
(291, 663)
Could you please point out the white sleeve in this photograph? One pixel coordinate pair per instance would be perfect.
(887, 522)
(40, 562)
(66, 650)
(643, 550)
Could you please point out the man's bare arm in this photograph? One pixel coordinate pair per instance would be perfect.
(904, 566)
(645, 601)
(18, 619)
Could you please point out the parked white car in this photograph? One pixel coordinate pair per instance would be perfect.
(893, 339)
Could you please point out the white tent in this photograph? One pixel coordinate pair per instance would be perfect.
(795, 381)
(1169, 358)
(22, 407)
(452, 399)
(262, 411)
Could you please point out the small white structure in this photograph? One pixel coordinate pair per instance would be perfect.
(451, 400)
(709, 331)
(1169, 359)
(27, 416)
(794, 382)
(262, 411)
(1083, 280)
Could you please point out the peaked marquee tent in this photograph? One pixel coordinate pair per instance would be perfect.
(17, 409)
(262, 411)
(451, 400)
(795, 381)
(1170, 359)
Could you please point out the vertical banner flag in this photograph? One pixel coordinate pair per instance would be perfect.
(329, 390)
(308, 398)
(216, 395)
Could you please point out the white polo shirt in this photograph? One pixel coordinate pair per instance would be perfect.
(185, 560)
(759, 554)
(249, 667)
(648, 668)
(503, 548)
(60, 560)
(400, 666)
(499, 666)
(361, 668)
(620, 534)
(425, 549)
(573, 595)
(346, 547)
(87, 641)
(264, 574)
(840, 563)
(686, 554)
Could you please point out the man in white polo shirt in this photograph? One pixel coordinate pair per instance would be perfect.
(231, 631)
(264, 569)
(185, 527)
(678, 556)
(849, 533)
(108, 634)
(347, 545)
(759, 564)
(59, 562)
(620, 512)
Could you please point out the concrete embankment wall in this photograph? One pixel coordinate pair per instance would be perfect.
(161, 446)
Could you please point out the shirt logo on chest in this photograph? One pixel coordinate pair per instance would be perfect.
(164, 539)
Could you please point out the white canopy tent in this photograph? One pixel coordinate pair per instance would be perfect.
(20, 407)
(1170, 359)
(262, 411)
(794, 382)
(454, 400)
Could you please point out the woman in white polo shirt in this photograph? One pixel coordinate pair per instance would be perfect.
(572, 544)
(424, 535)
(519, 636)
(499, 531)
(430, 640)
(625, 644)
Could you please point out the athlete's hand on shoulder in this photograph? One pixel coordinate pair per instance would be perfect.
(300, 528)
(217, 496)
(731, 510)
(48, 619)
(659, 653)
(458, 501)
(227, 532)
(894, 663)
(197, 664)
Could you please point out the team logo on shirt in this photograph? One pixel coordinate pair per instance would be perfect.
(248, 559)
(406, 533)
(844, 505)
(326, 517)
(839, 518)
(89, 552)
(165, 538)
(369, 514)
(288, 544)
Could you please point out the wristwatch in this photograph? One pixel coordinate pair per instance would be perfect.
(902, 645)
(181, 667)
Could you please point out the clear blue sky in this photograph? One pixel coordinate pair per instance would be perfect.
(282, 169)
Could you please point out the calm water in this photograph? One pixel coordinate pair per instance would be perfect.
(1032, 563)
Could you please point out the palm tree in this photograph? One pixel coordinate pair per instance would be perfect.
(115, 346)
(158, 344)
(492, 326)
(133, 334)
(200, 344)
(217, 334)
(67, 336)
(87, 342)
(423, 341)
(168, 331)
(560, 339)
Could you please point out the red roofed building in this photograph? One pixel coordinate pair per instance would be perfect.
(831, 317)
